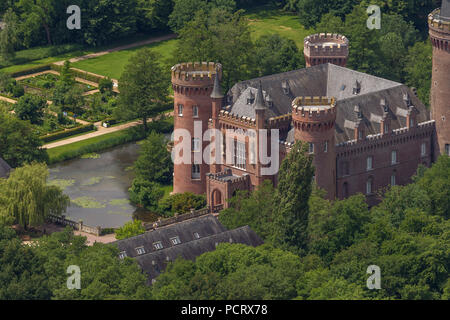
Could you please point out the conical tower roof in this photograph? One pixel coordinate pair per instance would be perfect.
(260, 104)
(217, 90)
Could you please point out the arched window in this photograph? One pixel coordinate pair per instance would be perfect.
(393, 157)
(369, 163)
(369, 186)
(393, 180)
(180, 110)
(195, 111)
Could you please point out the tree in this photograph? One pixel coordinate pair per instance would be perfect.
(146, 194)
(27, 199)
(218, 36)
(275, 54)
(154, 162)
(31, 107)
(154, 14)
(144, 86)
(185, 10)
(105, 86)
(130, 229)
(256, 210)
(293, 191)
(8, 36)
(109, 20)
(19, 144)
(418, 69)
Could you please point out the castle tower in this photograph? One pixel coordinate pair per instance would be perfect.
(314, 121)
(439, 29)
(325, 48)
(193, 85)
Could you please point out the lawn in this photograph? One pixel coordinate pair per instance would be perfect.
(269, 20)
(113, 64)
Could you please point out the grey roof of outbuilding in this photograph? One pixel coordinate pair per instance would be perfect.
(4, 169)
(332, 81)
(155, 262)
(205, 226)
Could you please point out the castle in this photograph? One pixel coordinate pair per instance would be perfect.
(365, 132)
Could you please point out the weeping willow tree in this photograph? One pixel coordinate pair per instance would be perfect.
(26, 199)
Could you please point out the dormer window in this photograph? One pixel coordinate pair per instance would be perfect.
(175, 240)
(269, 101)
(251, 98)
(122, 255)
(357, 87)
(406, 99)
(196, 235)
(286, 88)
(158, 245)
(140, 250)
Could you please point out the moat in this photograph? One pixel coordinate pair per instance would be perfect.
(98, 187)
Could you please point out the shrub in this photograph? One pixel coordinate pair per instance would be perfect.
(146, 194)
(18, 91)
(130, 229)
(181, 203)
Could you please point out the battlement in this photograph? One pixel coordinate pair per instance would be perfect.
(379, 140)
(326, 44)
(279, 121)
(314, 108)
(436, 22)
(227, 177)
(237, 119)
(196, 71)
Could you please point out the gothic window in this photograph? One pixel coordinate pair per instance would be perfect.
(423, 149)
(369, 163)
(393, 182)
(369, 186)
(394, 157)
(196, 145)
(239, 155)
(195, 174)
(195, 111)
(311, 147)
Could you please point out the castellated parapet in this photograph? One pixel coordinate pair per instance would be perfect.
(314, 113)
(195, 77)
(326, 48)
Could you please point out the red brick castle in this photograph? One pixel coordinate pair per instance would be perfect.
(365, 132)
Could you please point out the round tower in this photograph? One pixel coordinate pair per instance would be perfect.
(192, 84)
(314, 121)
(325, 48)
(439, 29)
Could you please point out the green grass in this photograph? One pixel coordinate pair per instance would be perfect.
(113, 64)
(167, 190)
(267, 20)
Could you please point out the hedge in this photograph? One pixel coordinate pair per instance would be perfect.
(79, 73)
(67, 133)
(31, 70)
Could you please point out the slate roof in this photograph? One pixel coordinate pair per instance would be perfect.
(332, 81)
(445, 10)
(4, 169)
(205, 226)
(154, 263)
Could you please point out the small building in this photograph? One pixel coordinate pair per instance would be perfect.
(5, 169)
(189, 239)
